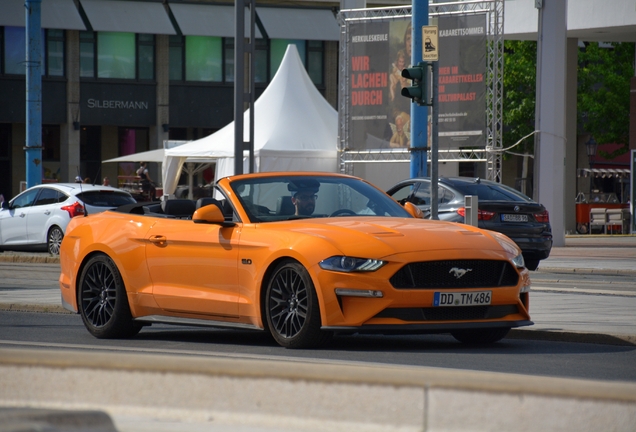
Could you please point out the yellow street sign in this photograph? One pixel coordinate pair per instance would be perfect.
(430, 43)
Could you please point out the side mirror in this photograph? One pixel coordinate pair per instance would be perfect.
(413, 210)
(210, 214)
(5, 205)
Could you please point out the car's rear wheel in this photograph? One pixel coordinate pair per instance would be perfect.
(103, 302)
(291, 308)
(54, 239)
(481, 336)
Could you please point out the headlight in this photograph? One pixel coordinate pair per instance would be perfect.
(350, 264)
(518, 261)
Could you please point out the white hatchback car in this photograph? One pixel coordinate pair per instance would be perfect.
(36, 219)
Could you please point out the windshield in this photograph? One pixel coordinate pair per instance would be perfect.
(105, 198)
(268, 199)
(491, 191)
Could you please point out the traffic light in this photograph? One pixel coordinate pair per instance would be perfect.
(418, 92)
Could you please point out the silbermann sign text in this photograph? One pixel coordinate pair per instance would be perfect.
(116, 104)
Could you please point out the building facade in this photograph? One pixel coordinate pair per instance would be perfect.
(120, 77)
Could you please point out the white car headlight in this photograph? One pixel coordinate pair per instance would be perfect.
(518, 261)
(351, 264)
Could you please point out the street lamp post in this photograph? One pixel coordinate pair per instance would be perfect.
(590, 147)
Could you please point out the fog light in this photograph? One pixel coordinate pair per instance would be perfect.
(359, 293)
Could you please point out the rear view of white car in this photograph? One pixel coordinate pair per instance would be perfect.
(36, 219)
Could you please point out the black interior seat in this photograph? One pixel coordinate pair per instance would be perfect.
(202, 202)
(284, 206)
(179, 208)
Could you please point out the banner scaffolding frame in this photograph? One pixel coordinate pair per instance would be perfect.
(491, 153)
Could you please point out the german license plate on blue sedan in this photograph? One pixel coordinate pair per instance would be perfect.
(514, 218)
(475, 298)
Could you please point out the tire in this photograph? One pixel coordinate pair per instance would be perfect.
(291, 308)
(103, 302)
(54, 240)
(532, 264)
(481, 336)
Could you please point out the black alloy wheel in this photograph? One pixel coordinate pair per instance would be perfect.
(291, 308)
(54, 239)
(103, 302)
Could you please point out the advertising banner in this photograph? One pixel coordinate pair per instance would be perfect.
(462, 90)
(379, 116)
(369, 81)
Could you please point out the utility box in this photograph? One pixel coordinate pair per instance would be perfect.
(471, 204)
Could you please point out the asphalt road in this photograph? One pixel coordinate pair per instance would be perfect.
(524, 356)
(528, 357)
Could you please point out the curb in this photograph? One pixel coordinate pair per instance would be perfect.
(22, 307)
(609, 272)
(29, 259)
(234, 394)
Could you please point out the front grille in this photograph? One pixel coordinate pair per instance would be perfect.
(458, 313)
(455, 274)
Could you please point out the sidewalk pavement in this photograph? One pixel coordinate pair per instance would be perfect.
(592, 315)
(565, 314)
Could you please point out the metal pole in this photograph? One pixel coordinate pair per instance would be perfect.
(252, 79)
(434, 145)
(240, 96)
(33, 146)
(419, 114)
(239, 83)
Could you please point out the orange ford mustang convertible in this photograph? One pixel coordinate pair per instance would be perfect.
(299, 255)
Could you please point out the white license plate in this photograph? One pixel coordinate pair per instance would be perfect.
(474, 298)
(514, 218)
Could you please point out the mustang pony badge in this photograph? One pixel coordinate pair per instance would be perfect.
(459, 272)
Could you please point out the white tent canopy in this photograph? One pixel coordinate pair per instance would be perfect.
(295, 129)
(147, 156)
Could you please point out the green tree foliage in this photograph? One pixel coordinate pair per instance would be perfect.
(603, 93)
(602, 101)
(520, 59)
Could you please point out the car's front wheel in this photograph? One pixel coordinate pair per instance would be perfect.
(291, 308)
(102, 300)
(54, 239)
(481, 336)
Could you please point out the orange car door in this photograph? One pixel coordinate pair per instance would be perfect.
(194, 267)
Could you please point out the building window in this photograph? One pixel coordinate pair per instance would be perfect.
(176, 58)
(146, 56)
(5, 161)
(55, 52)
(90, 152)
(277, 52)
(261, 61)
(229, 59)
(116, 55)
(51, 153)
(87, 54)
(203, 58)
(14, 51)
(51, 143)
(315, 61)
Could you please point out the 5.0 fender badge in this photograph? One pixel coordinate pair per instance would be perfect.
(246, 261)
